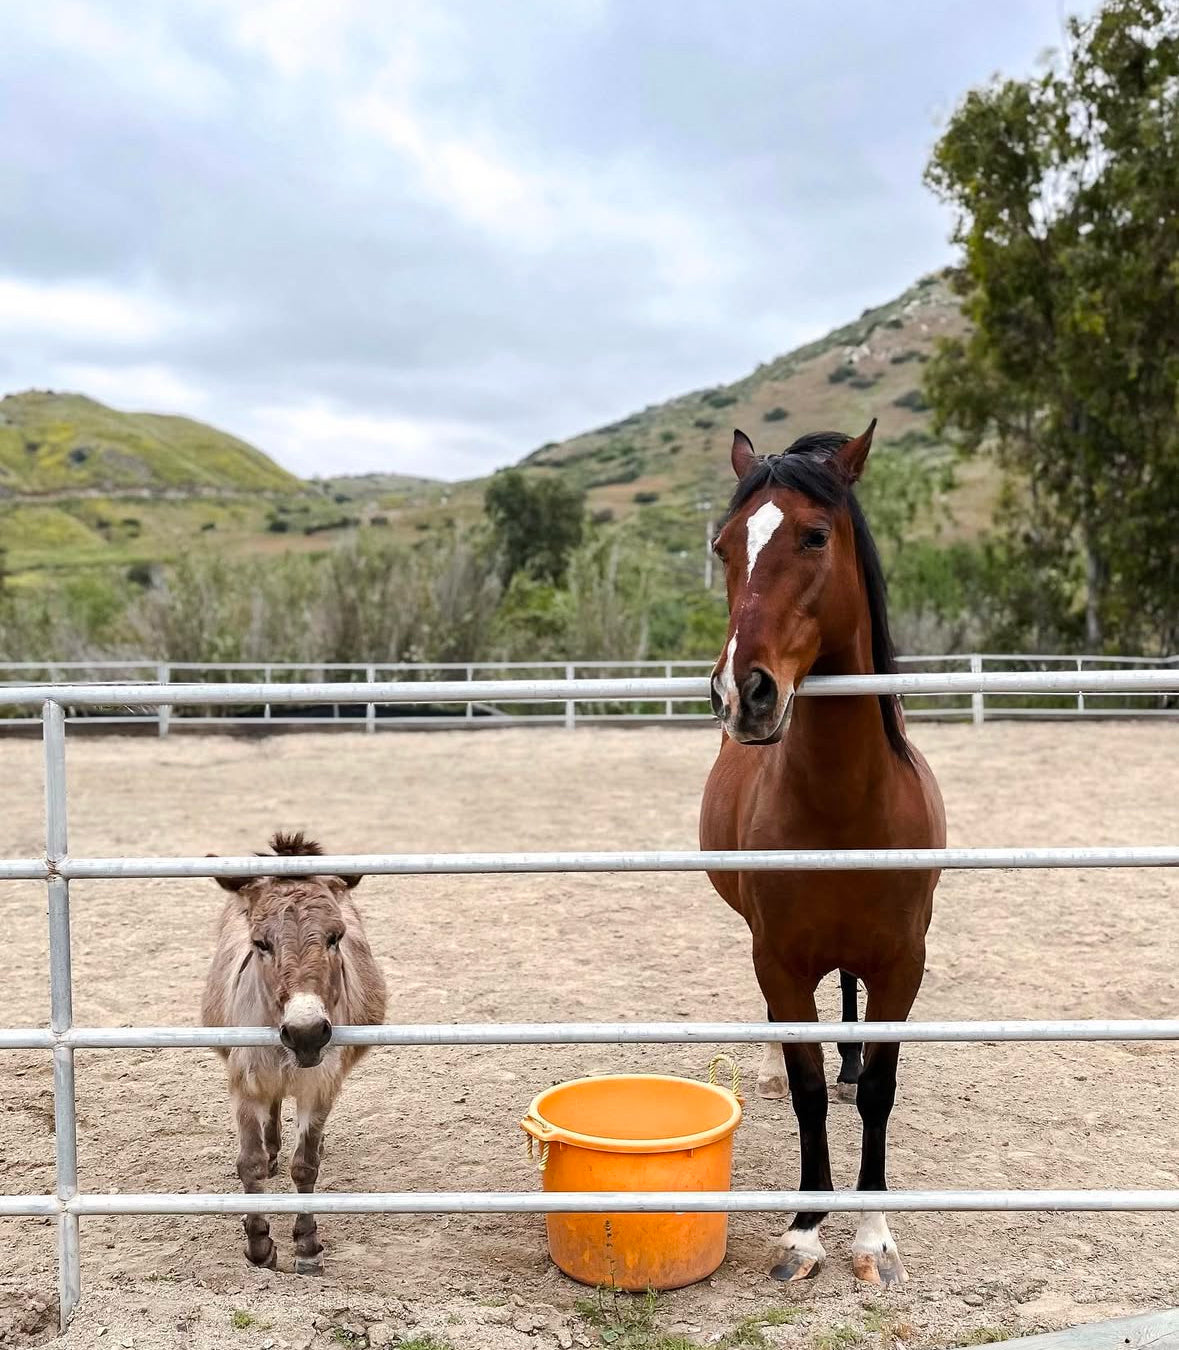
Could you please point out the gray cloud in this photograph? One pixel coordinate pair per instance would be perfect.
(430, 237)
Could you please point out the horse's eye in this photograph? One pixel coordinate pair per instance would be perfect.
(261, 944)
(814, 539)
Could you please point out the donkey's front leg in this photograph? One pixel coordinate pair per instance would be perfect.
(252, 1169)
(304, 1172)
(273, 1137)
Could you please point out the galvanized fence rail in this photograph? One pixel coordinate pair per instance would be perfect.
(483, 710)
(57, 868)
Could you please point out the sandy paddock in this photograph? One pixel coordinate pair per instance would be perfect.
(644, 947)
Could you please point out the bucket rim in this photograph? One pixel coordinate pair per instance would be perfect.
(539, 1127)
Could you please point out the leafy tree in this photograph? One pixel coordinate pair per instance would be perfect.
(536, 524)
(1066, 189)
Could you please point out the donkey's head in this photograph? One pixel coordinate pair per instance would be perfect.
(297, 929)
(790, 547)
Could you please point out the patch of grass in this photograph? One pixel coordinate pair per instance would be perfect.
(749, 1333)
(240, 1320)
(986, 1336)
(837, 1337)
(424, 1343)
(342, 1336)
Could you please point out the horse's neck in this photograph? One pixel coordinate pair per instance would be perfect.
(836, 750)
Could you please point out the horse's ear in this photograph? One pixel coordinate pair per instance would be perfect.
(230, 883)
(852, 456)
(744, 456)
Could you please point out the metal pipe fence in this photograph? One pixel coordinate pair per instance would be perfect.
(57, 869)
(483, 709)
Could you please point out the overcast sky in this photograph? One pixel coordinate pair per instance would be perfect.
(426, 238)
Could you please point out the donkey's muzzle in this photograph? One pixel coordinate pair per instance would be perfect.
(306, 1041)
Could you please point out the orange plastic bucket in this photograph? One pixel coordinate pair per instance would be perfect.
(636, 1132)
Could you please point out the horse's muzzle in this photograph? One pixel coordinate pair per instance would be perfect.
(761, 714)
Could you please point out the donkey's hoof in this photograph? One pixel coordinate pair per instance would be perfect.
(845, 1092)
(272, 1168)
(309, 1265)
(773, 1088)
(802, 1256)
(883, 1268)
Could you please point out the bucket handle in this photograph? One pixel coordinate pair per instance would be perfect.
(537, 1145)
(734, 1068)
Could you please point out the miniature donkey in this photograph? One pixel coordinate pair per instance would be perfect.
(291, 954)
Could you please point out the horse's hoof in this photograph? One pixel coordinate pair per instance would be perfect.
(773, 1089)
(845, 1092)
(795, 1267)
(268, 1262)
(802, 1256)
(309, 1265)
(883, 1268)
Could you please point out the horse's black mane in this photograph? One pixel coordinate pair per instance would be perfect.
(808, 467)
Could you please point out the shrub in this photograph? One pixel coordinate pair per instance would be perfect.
(913, 399)
(903, 358)
(841, 372)
(719, 400)
(775, 415)
(704, 423)
(667, 437)
(277, 525)
(646, 498)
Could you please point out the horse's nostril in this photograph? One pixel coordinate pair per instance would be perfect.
(760, 690)
(718, 703)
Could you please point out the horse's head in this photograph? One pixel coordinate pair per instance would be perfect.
(788, 546)
(297, 929)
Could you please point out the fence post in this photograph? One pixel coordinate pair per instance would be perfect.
(1080, 692)
(470, 672)
(977, 710)
(267, 676)
(570, 706)
(61, 1011)
(164, 716)
(669, 706)
(370, 709)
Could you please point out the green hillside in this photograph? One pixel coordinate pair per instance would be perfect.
(65, 443)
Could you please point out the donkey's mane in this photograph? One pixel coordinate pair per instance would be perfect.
(808, 466)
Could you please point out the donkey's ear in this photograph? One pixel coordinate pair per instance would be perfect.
(852, 456)
(744, 456)
(230, 883)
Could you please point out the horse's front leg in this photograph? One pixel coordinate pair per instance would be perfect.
(252, 1168)
(312, 1116)
(875, 1257)
(802, 1254)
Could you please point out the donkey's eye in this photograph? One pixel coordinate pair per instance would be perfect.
(814, 539)
(261, 944)
(333, 941)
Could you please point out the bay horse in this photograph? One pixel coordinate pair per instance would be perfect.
(806, 594)
(291, 953)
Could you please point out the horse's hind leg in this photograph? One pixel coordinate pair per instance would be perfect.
(771, 1076)
(304, 1173)
(851, 1052)
(273, 1137)
(875, 1257)
(252, 1166)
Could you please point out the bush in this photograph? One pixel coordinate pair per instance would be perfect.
(862, 381)
(903, 358)
(775, 415)
(646, 498)
(841, 372)
(667, 437)
(719, 400)
(704, 423)
(912, 399)
(277, 525)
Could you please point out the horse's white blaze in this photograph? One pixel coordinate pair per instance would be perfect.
(304, 1010)
(872, 1236)
(759, 530)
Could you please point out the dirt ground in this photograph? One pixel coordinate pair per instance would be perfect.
(1065, 944)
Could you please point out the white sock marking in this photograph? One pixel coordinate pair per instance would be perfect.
(304, 1010)
(759, 531)
(773, 1063)
(804, 1241)
(873, 1236)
